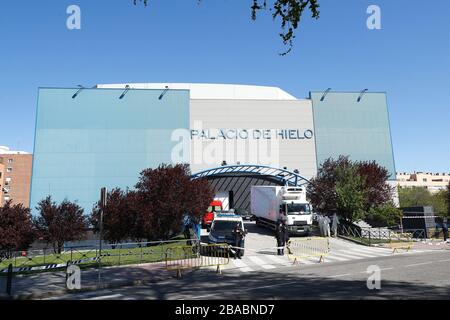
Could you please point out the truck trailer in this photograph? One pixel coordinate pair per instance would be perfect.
(268, 202)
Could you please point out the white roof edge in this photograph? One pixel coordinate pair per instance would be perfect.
(204, 91)
(5, 150)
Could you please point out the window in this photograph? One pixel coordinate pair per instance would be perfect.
(10, 160)
(223, 226)
(214, 208)
(6, 198)
(424, 179)
(9, 169)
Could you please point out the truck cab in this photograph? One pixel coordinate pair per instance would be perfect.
(268, 202)
(297, 209)
(208, 217)
(299, 214)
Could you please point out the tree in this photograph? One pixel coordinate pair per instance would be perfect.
(377, 191)
(422, 197)
(288, 11)
(384, 215)
(119, 219)
(16, 228)
(414, 197)
(350, 189)
(322, 189)
(57, 224)
(165, 195)
(439, 202)
(350, 193)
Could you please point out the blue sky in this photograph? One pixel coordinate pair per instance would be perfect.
(215, 41)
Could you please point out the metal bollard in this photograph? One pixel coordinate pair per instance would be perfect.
(9, 280)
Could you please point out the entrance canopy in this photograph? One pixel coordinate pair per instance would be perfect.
(283, 176)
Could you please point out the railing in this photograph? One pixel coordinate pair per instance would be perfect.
(88, 256)
(371, 236)
(197, 256)
(304, 248)
(436, 233)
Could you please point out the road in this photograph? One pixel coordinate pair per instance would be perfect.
(422, 274)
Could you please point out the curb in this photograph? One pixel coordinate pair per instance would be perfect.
(355, 241)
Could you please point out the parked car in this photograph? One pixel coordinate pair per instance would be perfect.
(222, 229)
(244, 213)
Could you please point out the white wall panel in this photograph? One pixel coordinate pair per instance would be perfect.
(254, 114)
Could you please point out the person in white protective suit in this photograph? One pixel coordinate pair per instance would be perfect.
(320, 223)
(334, 225)
(326, 226)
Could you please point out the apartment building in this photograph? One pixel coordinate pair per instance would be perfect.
(15, 176)
(431, 181)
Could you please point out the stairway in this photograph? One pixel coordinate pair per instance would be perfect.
(376, 233)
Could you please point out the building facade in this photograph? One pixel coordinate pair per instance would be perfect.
(15, 176)
(105, 136)
(434, 182)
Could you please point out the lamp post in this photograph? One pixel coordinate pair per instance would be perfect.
(103, 201)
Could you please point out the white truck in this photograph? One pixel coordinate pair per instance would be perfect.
(267, 203)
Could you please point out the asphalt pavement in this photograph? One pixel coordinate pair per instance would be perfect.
(418, 275)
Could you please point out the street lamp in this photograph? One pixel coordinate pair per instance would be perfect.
(103, 201)
(78, 92)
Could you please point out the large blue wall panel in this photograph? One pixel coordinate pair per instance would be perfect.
(359, 129)
(98, 140)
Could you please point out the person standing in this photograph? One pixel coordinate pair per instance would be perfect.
(320, 223)
(334, 225)
(282, 236)
(239, 240)
(326, 226)
(445, 228)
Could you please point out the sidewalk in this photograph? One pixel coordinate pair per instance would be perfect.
(54, 283)
(432, 245)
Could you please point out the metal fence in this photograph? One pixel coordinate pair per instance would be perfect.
(88, 256)
(198, 256)
(44, 270)
(371, 236)
(304, 248)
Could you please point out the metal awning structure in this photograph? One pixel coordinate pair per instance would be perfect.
(283, 176)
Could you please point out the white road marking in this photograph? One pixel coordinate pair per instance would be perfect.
(301, 261)
(239, 263)
(261, 263)
(418, 264)
(332, 257)
(372, 252)
(375, 249)
(350, 257)
(279, 260)
(113, 296)
(242, 266)
(365, 255)
(339, 275)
